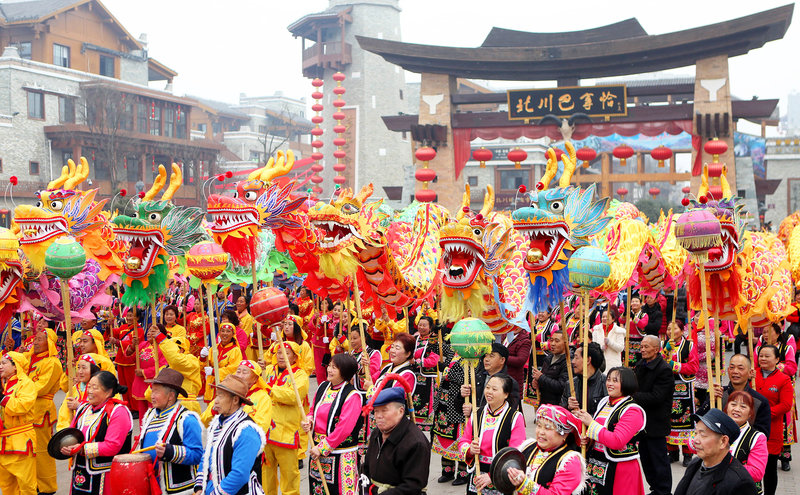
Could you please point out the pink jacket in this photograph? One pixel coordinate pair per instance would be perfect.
(757, 459)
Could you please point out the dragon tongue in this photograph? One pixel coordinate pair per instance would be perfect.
(539, 243)
(460, 259)
(136, 252)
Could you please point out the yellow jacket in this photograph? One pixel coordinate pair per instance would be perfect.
(178, 332)
(260, 411)
(284, 428)
(46, 377)
(389, 329)
(305, 360)
(428, 312)
(189, 366)
(65, 414)
(228, 362)
(19, 397)
(246, 323)
(103, 362)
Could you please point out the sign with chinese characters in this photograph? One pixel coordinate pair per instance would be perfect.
(594, 101)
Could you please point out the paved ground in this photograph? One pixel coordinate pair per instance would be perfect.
(788, 483)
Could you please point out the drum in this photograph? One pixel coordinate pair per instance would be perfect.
(130, 475)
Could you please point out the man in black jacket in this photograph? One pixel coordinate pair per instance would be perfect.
(715, 471)
(656, 386)
(654, 315)
(553, 377)
(398, 454)
(596, 385)
(491, 364)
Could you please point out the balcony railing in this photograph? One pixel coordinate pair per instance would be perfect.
(327, 55)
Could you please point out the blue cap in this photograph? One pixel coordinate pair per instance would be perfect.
(720, 423)
(387, 395)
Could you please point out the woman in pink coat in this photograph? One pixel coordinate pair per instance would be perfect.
(751, 446)
(613, 455)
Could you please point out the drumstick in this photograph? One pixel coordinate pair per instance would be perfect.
(146, 449)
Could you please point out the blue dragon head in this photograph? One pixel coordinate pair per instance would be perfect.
(558, 221)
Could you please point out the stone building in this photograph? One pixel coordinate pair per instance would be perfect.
(782, 164)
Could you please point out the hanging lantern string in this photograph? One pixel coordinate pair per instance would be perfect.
(120, 193)
(520, 190)
(12, 181)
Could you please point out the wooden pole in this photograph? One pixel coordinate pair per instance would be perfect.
(68, 329)
(300, 406)
(585, 370)
(717, 352)
(628, 328)
(534, 363)
(357, 296)
(136, 334)
(256, 324)
(750, 352)
(674, 303)
(153, 343)
(475, 428)
(214, 352)
(566, 349)
(704, 303)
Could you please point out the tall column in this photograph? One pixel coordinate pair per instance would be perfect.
(712, 95)
(436, 108)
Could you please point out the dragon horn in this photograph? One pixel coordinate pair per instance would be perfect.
(256, 174)
(364, 193)
(174, 182)
(57, 183)
(550, 170)
(464, 203)
(569, 165)
(158, 184)
(723, 179)
(81, 173)
(281, 167)
(488, 202)
(703, 191)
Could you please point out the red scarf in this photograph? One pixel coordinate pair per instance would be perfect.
(36, 358)
(280, 379)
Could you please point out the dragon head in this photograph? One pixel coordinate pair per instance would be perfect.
(11, 269)
(61, 210)
(558, 220)
(472, 244)
(157, 229)
(728, 210)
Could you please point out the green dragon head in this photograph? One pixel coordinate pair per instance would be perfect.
(157, 230)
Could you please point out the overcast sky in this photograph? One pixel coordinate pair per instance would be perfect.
(222, 48)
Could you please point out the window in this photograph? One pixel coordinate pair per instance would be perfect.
(126, 120)
(155, 121)
(24, 49)
(262, 129)
(512, 179)
(66, 156)
(473, 180)
(35, 105)
(66, 109)
(216, 127)
(180, 128)
(202, 128)
(742, 193)
(60, 55)
(33, 168)
(106, 66)
(401, 94)
(169, 123)
(255, 156)
(141, 118)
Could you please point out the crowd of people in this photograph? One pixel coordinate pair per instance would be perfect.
(361, 399)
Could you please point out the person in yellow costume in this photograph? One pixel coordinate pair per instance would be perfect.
(175, 331)
(230, 355)
(85, 367)
(426, 310)
(340, 343)
(389, 329)
(246, 321)
(44, 370)
(293, 332)
(17, 438)
(91, 342)
(181, 361)
(261, 410)
(283, 435)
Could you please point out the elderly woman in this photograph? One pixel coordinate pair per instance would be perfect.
(614, 455)
(427, 356)
(681, 355)
(500, 425)
(553, 464)
(777, 388)
(335, 420)
(229, 357)
(751, 446)
(401, 355)
(106, 425)
(17, 404)
(85, 368)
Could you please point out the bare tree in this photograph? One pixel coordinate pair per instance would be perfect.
(106, 113)
(277, 132)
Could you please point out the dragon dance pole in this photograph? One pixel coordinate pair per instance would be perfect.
(628, 328)
(136, 334)
(475, 429)
(704, 302)
(585, 348)
(68, 329)
(215, 354)
(357, 295)
(533, 354)
(563, 324)
(717, 352)
(256, 324)
(153, 343)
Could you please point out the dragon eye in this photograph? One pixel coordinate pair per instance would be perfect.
(556, 206)
(38, 204)
(250, 195)
(235, 194)
(349, 209)
(154, 217)
(56, 205)
(477, 231)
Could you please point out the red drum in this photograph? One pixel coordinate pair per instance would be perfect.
(269, 306)
(130, 475)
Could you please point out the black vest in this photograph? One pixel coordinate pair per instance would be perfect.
(683, 356)
(99, 464)
(547, 471)
(335, 414)
(631, 450)
(177, 477)
(226, 451)
(506, 424)
(742, 451)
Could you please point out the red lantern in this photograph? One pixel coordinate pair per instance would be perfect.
(622, 192)
(317, 95)
(425, 154)
(338, 77)
(339, 154)
(339, 179)
(269, 305)
(715, 147)
(317, 190)
(317, 119)
(654, 191)
(426, 195)
(339, 128)
(317, 83)
(686, 190)
(317, 156)
(316, 179)
(339, 167)
(623, 152)
(317, 144)
(517, 156)
(586, 155)
(317, 131)
(338, 116)
(482, 156)
(316, 168)
(661, 153)
(425, 174)
(339, 141)
(559, 153)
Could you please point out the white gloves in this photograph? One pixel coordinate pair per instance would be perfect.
(204, 352)
(209, 370)
(325, 340)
